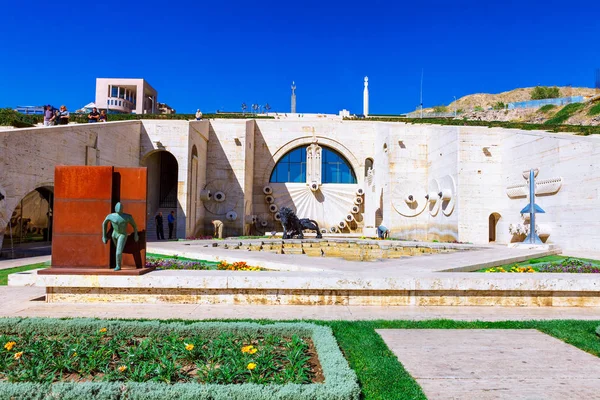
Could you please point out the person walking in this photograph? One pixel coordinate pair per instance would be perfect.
(160, 234)
(63, 116)
(49, 116)
(171, 221)
(94, 116)
(198, 115)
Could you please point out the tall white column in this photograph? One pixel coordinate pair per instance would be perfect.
(366, 97)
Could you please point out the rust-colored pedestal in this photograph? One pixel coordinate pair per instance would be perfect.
(83, 197)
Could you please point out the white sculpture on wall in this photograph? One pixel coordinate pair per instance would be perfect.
(542, 186)
(313, 166)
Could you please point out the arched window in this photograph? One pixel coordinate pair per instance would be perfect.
(368, 165)
(292, 167)
(335, 168)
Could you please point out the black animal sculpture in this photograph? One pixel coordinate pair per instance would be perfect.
(292, 226)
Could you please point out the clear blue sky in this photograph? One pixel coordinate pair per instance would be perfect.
(217, 54)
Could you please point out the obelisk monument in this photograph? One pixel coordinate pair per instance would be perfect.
(293, 97)
(366, 97)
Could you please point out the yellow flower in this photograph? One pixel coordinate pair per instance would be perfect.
(246, 349)
(189, 347)
(251, 366)
(8, 346)
(74, 354)
(103, 330)
(253, 350)
(122, 368)
(18, 355)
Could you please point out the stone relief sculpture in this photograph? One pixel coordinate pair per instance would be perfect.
(292, 226)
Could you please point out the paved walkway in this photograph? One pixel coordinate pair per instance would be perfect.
(494, 364)
(18, 262)
(30, 302)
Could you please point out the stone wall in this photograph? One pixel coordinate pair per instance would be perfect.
(28, 156)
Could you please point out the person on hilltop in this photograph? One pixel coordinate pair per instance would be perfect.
(198, 115)
(171, 222)
(94, 116)
(49, 116)
(160, 233)
(63, 116)
(103, 117)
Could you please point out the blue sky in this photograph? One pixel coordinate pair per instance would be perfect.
(218, 54)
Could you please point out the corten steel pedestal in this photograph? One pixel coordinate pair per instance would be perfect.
(83, 197)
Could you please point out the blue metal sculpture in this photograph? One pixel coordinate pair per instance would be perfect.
(532, 209)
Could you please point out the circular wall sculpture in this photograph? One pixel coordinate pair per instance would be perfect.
(448, 189)
(408, 198)
(433, 190)
(219, 203)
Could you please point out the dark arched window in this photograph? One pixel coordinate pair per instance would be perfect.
(291, 167)
(335, 168)
(368, 165)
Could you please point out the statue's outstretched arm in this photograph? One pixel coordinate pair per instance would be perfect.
(104, 226)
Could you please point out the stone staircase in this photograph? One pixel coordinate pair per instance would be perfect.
(151, 225)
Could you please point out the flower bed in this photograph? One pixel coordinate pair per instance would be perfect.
(92, 359)
(568, 265)
(175, 263)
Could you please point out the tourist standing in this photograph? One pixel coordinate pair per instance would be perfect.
(198, 115)
(218, 228)
(49, 116)
(94, 116)
(160, 234)
(103, 117)
(171, 221)
(63, 115)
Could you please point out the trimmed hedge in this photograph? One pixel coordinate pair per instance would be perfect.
(340, 380)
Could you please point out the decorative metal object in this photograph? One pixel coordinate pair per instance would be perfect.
(532, 209)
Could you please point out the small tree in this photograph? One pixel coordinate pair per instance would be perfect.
(244, 107)
(499, 106)
(545, 92)
(267, 108)
(440, 109)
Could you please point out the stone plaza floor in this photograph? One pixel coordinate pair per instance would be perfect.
(474, 364)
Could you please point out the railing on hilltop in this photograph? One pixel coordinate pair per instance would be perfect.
(540, 103)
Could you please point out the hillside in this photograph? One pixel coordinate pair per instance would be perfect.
(487, 100)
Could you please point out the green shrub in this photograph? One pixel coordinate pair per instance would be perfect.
(545, 92)
(440, 109)
(499, 106)
(564, 114)
(595, 110)
(547, 108)
(478, 108)
(340, 381)
(9, 117)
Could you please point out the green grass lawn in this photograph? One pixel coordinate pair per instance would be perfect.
(5, 272)
(383, 377)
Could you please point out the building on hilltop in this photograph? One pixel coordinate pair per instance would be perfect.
(164, 108)
(126, 96)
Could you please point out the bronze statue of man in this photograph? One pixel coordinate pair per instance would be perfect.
(119, 221)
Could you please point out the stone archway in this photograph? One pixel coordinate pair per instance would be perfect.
(31, 220)
(493, 224)
(163, 171)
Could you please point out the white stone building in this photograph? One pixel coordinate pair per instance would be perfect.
(126, 96)
(423, 182)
